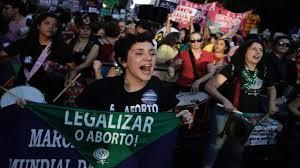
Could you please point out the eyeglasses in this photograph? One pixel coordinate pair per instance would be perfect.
(283, 44)
(196, 40)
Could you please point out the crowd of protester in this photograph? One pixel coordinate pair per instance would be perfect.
(263, 68)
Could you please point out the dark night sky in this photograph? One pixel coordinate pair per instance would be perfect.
(278, 15)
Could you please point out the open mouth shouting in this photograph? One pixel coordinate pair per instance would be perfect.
(146, 69)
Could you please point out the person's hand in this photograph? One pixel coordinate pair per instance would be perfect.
(192, 18)
(97, 65)
(51, 66)
(69, 82)
(169, 16)
(195, 86)
(21, 102)
(228, 106)
(178, 62)
(273, 108)
(171, 71)
(185, 116)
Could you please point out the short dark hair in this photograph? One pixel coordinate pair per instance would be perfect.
(123, 45)
(111, 29)
(145, 24)
(16, 4)
(171, 39)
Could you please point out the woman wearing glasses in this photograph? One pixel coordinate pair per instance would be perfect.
(196, 65)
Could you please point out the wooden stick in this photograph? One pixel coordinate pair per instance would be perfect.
(3, 88)
(67, 87)
(11, 79)
(235, 111)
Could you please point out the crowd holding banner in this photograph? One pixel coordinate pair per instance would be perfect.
(104, 139)
(214, 15)
(98, 46)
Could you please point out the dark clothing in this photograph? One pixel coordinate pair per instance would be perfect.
(109, 94)
(284, 73)
(80, 57)
(6, 72)
(4, 42)
(50, 83)
(249, 98)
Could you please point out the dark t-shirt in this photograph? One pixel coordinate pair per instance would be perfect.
(49, 83)
(109, 94)
(249, 101)
(284, 72)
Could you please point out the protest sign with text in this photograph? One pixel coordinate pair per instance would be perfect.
(103, 139)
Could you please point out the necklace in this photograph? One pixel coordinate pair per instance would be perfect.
(249, 79)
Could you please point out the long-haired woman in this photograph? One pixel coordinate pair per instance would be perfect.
(238, 87)
(44, 43)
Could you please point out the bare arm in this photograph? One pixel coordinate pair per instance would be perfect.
(174, 66)
(230, 33)
(168, 24)
(206, 33)
(88, 62)
(272, 99)
(212, 88)
(210, 74)
(192, 28)
(294, 107)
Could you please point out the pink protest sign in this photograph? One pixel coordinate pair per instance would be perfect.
(202, 9)
(182, 15)
(222, 20)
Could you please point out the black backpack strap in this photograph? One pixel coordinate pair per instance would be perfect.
(88, 47)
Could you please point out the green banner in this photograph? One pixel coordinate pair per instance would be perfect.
(106, 138)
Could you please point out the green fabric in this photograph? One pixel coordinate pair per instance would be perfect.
(111, 3)
(109, 149)
(184, 47)
(16, 68)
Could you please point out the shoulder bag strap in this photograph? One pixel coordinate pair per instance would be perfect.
(194, 65)
(38, 63)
